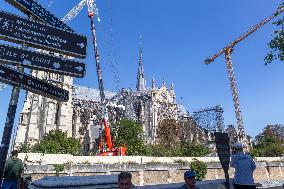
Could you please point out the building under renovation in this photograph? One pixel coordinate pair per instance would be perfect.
(79, 117)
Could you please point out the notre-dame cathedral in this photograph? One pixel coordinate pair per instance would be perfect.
(79, 117)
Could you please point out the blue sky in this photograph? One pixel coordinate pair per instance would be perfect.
(177, 37)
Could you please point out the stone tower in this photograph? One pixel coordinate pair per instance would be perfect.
(41, 114)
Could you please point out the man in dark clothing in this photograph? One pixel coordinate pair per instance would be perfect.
(12, 171)
(189, 179)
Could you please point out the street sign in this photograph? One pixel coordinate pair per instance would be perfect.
(40, 61)
(32, 7)
(33, 84)
(20, 30)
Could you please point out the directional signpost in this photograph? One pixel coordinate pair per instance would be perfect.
(18, 30)
(33, 84)
(40, 61)
(54, 36)
(223, 150)
(32, 7)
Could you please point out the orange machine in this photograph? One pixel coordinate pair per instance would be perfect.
(106, 146)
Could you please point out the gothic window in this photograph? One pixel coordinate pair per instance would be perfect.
(50, 118)
(24, 118)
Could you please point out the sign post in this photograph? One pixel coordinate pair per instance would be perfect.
(20, 30)
(223, 150)
(54, 36)
(32, 7)
(40, 61)
(6, 137)
(33, 84)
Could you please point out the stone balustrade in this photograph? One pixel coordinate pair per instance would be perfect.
(145, 170)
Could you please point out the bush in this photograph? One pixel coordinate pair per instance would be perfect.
(57, 142)
(129, 133)
(194, 150)
(159, 150)
(200, 168)
(58, 168)
(185, 150)
(24, 148)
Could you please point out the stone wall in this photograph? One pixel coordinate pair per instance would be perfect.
(145, 170)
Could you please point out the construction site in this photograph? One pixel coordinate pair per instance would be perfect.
(90, 114)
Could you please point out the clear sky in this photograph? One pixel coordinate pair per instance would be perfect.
(177, 37)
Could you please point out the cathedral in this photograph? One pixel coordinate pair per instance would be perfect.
(80, 116)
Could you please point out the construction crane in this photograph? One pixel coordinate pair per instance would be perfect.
(108, 149)
(227, 50)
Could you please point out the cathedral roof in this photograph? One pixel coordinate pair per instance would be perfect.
(86, 93)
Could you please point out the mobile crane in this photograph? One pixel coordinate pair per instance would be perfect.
(106, 147)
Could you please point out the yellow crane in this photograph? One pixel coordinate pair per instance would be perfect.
(227, 50)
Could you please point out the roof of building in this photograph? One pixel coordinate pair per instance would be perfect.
(86, 93)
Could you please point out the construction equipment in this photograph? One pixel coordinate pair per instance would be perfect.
(106, 147)
(228, 51)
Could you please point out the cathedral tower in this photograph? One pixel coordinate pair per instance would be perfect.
(141, 82)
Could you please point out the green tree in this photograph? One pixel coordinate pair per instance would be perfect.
(277, 43)
(57, 142)
(169, 133)
(129, 133)
(267, 144)
(194, 150)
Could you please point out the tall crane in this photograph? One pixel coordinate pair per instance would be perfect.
(109, 149)
(227, 50)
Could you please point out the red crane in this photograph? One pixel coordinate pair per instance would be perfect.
(106, 147)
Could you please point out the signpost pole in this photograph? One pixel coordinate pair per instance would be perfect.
(223, 151)
(4, 148)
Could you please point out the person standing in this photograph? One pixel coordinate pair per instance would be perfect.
(244, 167)
(12, 171)
(189, 179)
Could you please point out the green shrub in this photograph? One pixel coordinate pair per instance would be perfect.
(200, 168)
(185, 150)
(58, 168)
(57, 142)
(194, 150)
(129, 133)
(24, 148)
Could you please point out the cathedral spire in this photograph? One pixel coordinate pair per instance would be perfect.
(153, 83)
(141, 82)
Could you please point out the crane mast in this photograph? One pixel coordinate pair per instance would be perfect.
(101, 88)
(227, 50)
(92, 12)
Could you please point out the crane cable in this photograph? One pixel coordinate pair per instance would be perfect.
(110, 47)
(50, 3)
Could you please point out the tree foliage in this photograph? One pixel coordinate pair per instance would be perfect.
(194, 150)
(129, 133)
(277, 43)
(173, 141)
(186, 150)
(57, 142)
(268, 143)
(168, 132)
(200, 168)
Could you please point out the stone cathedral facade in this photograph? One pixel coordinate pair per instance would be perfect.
(80, 116)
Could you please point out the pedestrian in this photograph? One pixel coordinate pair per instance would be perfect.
(189, 179)
(124, 180)
(13, 171)
(244, 167)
